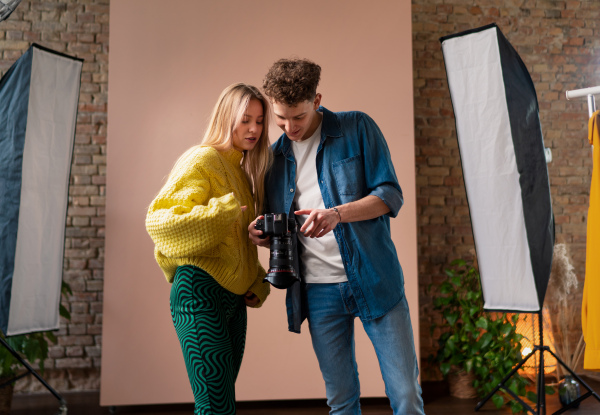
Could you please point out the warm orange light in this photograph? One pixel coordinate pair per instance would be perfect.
(527, 325)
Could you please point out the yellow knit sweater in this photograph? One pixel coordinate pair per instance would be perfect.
(197, 219)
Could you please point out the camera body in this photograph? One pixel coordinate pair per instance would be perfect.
(279, 227)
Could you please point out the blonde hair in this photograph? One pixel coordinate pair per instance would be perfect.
(226, 116)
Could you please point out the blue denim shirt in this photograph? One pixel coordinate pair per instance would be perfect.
(353, 161)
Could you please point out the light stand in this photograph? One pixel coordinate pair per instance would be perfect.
(62, 410)
(541, 380)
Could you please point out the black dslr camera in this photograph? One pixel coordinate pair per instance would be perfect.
(280, 228)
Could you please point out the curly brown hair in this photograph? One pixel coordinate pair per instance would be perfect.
(291, 81)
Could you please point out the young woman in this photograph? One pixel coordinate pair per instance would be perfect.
(199, 223)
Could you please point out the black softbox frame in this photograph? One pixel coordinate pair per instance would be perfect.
(504, 167)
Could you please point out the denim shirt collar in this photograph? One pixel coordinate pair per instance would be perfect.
(329, 128)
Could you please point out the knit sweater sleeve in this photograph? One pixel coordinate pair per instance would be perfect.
(184, 219)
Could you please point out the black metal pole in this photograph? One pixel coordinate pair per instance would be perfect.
(541, 409)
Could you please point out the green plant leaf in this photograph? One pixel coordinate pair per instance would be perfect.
(468, 365)
(457, 263)
(506, 328)
(445, 368)
(451, 318)
(516, 407)
(65, 289)
(498, 400)
(51, 337)
(485, 340)
(513, 385)
(446, 288)
(482, 323)
(444, 301)
(64, 312)
(450, 344)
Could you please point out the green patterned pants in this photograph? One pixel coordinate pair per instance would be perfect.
(211, 325)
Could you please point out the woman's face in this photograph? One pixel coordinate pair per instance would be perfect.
(248, 131)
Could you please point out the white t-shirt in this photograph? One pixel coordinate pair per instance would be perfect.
(321, 259)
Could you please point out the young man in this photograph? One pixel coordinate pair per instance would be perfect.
(334, 172)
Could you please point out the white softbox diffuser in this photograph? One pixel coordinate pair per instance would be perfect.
(38, 111)
(504, 168)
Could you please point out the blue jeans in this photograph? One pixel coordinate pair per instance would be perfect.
(331, 313)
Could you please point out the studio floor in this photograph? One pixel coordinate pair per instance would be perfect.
(437, 402)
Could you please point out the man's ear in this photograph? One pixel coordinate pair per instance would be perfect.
(317, 101)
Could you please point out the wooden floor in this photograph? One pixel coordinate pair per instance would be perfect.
(437, 402)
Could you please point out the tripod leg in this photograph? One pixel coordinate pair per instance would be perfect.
(541, 386)
(581, 381)
(573, 404)
(17, 356)
(585, 385)
(518, 399)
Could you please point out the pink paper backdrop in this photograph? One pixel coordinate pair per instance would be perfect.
(168, 63)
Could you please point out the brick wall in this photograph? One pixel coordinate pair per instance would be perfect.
(559, 42)
(77, 28)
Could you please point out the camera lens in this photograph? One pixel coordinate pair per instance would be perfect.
(281, 272)
(280, 228)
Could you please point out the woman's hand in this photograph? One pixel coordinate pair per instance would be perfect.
(251, 299)
(254, 234)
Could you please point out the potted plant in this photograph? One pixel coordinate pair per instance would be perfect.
(479, 345)
(33, 347)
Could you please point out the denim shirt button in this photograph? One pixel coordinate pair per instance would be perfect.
(291, 190)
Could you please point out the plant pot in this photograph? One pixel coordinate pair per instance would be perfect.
(6, 395)
(568, 391)
(461, 384)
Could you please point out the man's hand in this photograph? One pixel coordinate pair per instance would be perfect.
(319, 222)
(254, 234)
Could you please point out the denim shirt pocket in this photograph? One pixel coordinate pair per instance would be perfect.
(349, 178)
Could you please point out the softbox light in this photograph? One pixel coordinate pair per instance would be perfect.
(504, 168)
(38, 110)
